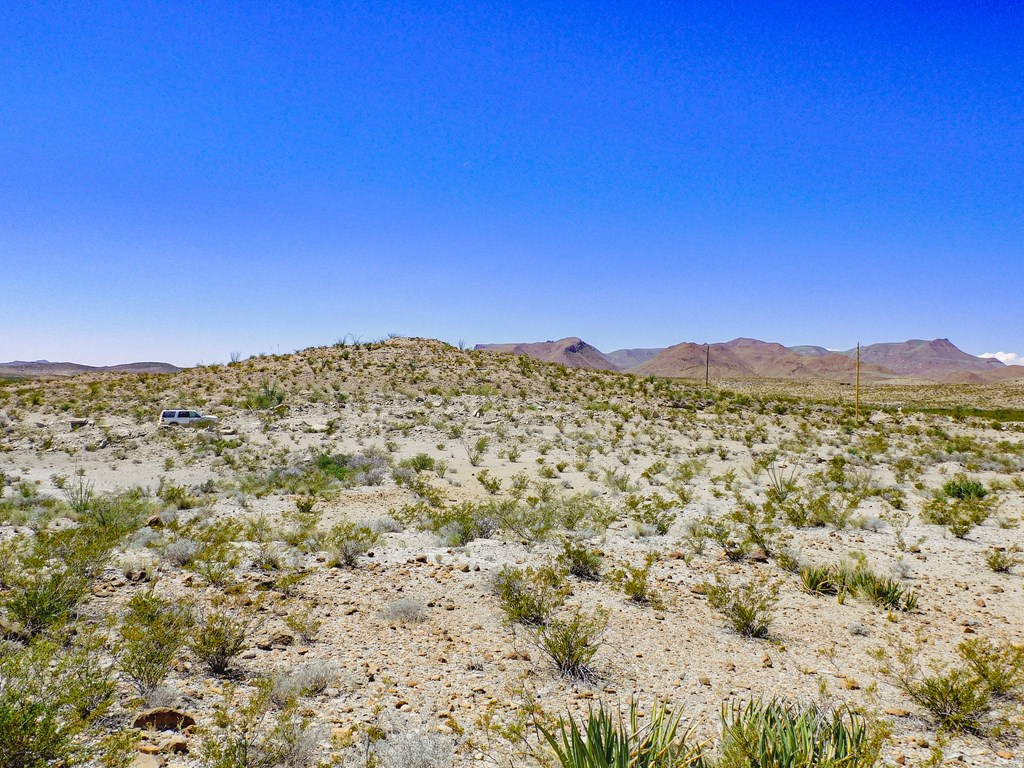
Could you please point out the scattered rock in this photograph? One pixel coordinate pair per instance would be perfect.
(163, 719)
(175, 745)
(278, 640)
(146, 760)
(12, 630)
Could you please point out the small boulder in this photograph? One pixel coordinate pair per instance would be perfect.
(163, 719)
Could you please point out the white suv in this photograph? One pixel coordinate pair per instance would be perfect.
(177, 418)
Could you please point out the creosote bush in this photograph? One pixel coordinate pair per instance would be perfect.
(571, 644)
(581, 561)
(219, 637)
(633, 580)
(748, 606)
(347, 542)
(152, 631)
(249, 735)
(529, 596)
(961, 505)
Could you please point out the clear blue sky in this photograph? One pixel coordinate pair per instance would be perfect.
(179, 181)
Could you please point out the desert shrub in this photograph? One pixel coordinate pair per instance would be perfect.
(633, 581)
(723, 531)
(421, 462)
(476, 451)
(79, 496)
(954, 699)
(406, 611)
(268, 396)
(748, 607)
(152, 631)
(531, 522)
(308, 679)
(347, 542)
(415, 750)
(179, 551)
(774, 734)
(960, 505)
(654, 513)
(529, 596)
(608, 740)
(581, 561)
(759, 523)
(45, 597)
(571, 644)
(219, 637)
(1001, 560)
(369, 467)
(962, 488)
(859, 581)
(491, 484)
(462, 523)
(53, 701)
(999, 668)
(177, 496)
(249, 736)
(305, 624)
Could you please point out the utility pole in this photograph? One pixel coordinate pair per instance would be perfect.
(707, 364)
(857, 396)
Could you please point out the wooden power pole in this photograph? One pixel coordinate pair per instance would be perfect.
(857, 395)
(707, 364)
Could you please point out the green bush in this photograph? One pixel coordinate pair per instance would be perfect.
(53, 702)
(46, 597)
(581, 561)
(152, 631)
(653, 512)
(219, 637)
(961, 505)
(267, 396)
(347, 542)
(1001, 560)
(529, 596)
(999, 668)
(572, 644)
(954, 699)
(249, 736)
(748, 607)
(633, 581)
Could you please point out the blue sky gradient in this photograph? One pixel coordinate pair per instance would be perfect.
(181, 181)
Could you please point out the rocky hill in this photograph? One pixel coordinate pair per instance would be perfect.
(39, 368)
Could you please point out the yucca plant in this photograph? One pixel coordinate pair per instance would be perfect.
(819, 579)
(774, 734)
(608, 741)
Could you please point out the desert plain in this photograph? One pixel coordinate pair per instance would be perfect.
(401, 532)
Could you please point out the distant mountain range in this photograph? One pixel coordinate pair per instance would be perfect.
(35, 368)
(938, 361)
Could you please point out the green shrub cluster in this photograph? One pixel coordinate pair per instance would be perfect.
(860, 581)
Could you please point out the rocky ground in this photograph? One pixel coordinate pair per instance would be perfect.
(412, 654)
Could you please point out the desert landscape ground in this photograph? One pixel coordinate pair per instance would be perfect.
(402, 553)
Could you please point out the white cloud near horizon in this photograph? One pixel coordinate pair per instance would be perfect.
(1009, 358)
